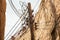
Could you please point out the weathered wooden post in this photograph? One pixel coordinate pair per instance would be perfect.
(2, 18)
(31, 21)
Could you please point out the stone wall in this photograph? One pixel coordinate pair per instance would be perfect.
(45, 20)
(56, 31)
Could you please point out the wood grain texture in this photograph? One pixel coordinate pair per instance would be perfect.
(2, 18)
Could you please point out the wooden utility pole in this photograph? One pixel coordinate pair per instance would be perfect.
(31, 21)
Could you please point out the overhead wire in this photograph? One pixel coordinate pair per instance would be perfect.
(20, 18)
(14, 8)
(17, 13)
(15, 29)
(17, 25)
(12, 28)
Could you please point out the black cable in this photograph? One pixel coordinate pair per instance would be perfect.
(12, 31)
(15, 10)
(12, 28)
(16, 26)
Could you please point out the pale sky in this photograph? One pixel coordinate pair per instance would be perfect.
(11, 17)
